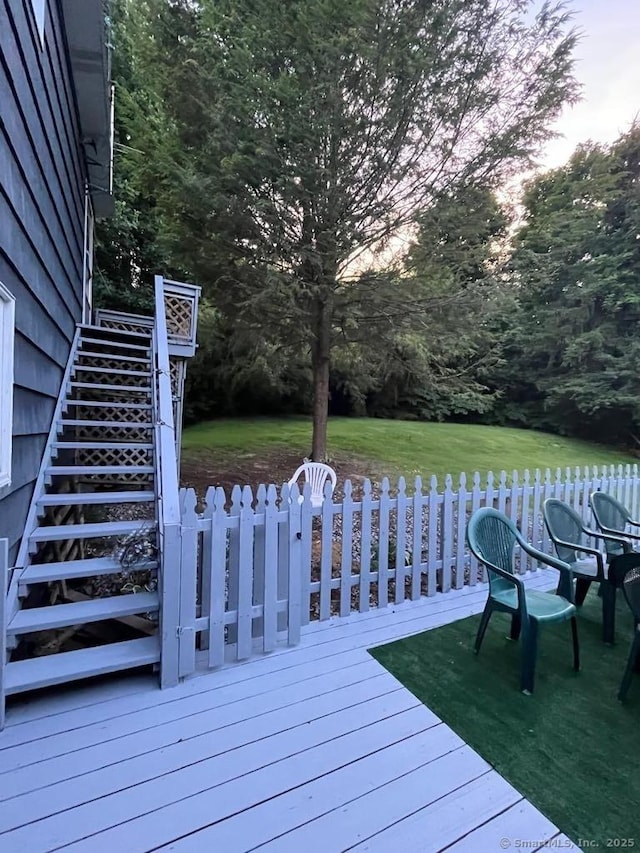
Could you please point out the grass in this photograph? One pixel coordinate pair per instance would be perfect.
(403, 447)
(571, 748)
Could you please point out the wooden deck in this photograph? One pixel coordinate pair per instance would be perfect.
(314, 748)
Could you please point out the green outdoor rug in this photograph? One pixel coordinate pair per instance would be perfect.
(571, 748)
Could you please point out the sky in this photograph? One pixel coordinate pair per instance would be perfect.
(608, 67)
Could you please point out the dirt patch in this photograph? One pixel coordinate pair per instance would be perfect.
(201, 469)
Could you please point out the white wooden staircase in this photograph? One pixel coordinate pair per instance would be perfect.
(98, 508)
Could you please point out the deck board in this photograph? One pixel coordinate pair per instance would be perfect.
(315, 747)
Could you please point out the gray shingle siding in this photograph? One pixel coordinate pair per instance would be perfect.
(41, 232)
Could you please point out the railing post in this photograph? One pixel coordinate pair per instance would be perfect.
(188, 582)
(4, 573)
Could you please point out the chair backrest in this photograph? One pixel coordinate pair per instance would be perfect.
(631, 586)
(316, 474)
(564, 524)
(492, 539)
(611, 514)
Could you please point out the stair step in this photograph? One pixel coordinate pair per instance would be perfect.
(71, 470)
(102, 445)
(65, 422)
(72, 570)
(110, 371)
(109, 333)
(104, 404)
(82, 612)
(92, 498)
(108, 343)
(98, 386)
(83, 353)
(102, 529)
(71, 666)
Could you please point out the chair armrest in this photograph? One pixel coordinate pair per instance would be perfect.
(583, 549)
(615, 535)
(565, 585)
(610, 537)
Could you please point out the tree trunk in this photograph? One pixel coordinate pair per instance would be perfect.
(321, 363)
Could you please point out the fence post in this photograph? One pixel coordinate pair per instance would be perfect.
(4, 575)
(171, 545)
(283, 554)
(188, 582)
(215, 563)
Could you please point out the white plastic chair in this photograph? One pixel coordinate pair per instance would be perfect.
(315, 473)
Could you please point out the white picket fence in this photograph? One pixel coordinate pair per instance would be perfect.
(256, 568)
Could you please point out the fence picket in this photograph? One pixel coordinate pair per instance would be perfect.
(536, 532)
(234, 558)
(475, 504)
(217, 558)
(446, 534)
(306, 543)
(502, 493)
(524, 516)
(432, 540)
(270, 569)
(634, 492)
(416, 556)
(283, 554)
(383, 544)
(401, 531)
(259, 564)
(365, 548)
(461, 524)
(346, 555)
(294, 593)
(204, 586)
(326, 557)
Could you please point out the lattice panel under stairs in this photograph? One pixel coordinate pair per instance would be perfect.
(87, 362)
(86, 374)
(111, 433)
(126, 325)
(109, 456)
(179, 312)
(112, 413)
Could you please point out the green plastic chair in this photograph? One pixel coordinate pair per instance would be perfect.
(569, 536)
(631, 587)
(492, 538)
(612, 518)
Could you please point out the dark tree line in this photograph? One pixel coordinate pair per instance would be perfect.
(281, 154)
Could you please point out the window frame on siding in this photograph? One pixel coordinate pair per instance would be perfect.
(7, 338)
(40, 14)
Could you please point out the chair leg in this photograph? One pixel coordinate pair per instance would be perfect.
(582, 588)
(516, 626)
(608, 612)
(529, 652)
(576, 644)
(482, 627)
(628, 673)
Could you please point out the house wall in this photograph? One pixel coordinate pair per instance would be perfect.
(42, 176)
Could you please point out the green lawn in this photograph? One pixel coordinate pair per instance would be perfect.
(571, 747)
(402, 446)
